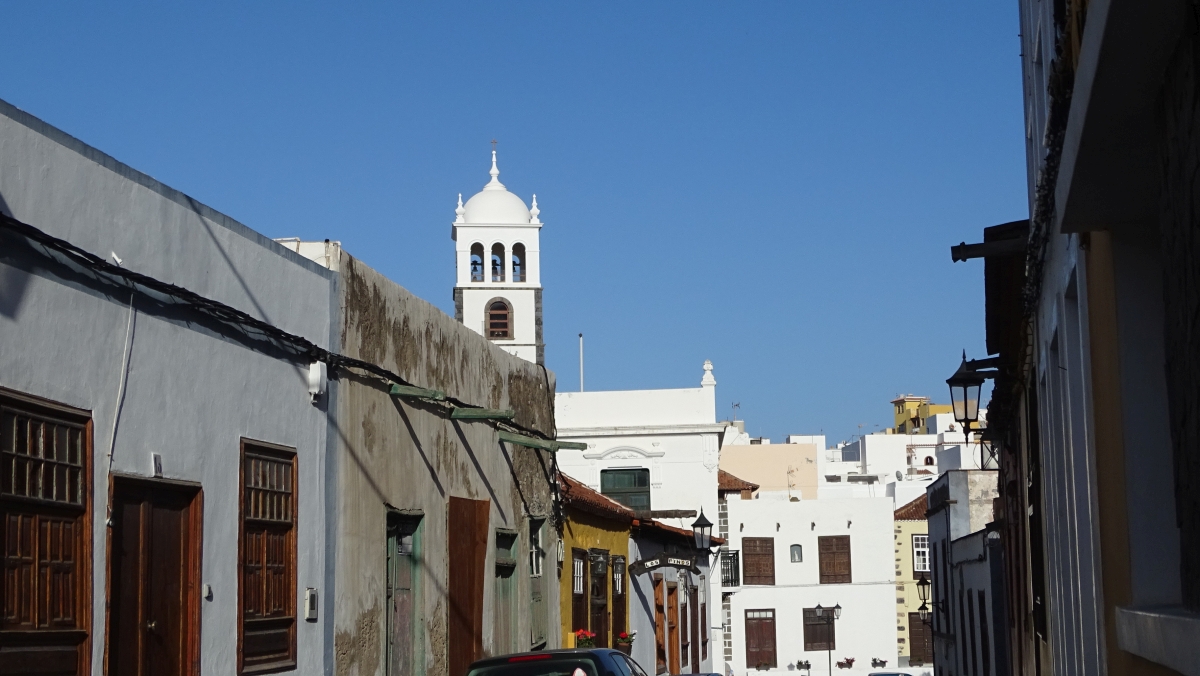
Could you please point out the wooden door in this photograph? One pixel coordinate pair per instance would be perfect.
(599, 596)
(660, 627)
(760, 639)
(504, 603)
(673, 627)
(694, 606)
(467, 537)
(154, 568)
(403, 635)
(920, 641)
(619, 599)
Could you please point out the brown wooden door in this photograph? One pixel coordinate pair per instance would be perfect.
(673, 627)
(694, 607)
(760, 638)
(154, 624)
(467, 537)
(599, 596)
(660, 626)
(920, 641)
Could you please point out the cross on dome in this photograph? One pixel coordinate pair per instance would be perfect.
(495, 205)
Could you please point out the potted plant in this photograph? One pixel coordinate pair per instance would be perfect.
(624, 641)
(847, 663)
(585, 639)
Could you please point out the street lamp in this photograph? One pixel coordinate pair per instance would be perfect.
(702, 532)
(923, 585)
(829, 616)
(965, 386)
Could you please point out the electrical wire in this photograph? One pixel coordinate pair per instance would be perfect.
(171, 295)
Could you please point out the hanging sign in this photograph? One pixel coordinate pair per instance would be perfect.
(664, 560)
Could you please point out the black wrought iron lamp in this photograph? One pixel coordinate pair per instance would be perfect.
(702, 532)
(829, 616)
(965, 386)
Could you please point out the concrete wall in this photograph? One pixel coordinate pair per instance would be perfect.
(867, 629)
(193, 391)
(408, 455)
(775, 467)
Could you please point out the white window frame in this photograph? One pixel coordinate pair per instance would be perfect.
(920, 553)
(577, 576)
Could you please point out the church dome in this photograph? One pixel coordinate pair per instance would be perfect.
(494, 204)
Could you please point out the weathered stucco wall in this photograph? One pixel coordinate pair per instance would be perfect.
(408, 455)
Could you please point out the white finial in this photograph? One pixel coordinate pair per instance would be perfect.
(534, 211)
(708, 380)
(495, 183)
(460, 210)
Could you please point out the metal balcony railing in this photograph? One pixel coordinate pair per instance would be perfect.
(731, 568)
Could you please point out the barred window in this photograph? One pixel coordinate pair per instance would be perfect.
(268, 559)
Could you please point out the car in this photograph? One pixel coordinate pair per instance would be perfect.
(565, 662)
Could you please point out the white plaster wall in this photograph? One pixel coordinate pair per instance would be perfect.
(524, 311)
(190, 395)
(867, 629)
(629, 408)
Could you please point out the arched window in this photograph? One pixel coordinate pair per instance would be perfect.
(518, 262)
(497, 262)
(499, 320)
(797, 554)
(929, 461)
(476, 262)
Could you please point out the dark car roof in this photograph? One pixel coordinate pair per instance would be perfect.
(503, 659)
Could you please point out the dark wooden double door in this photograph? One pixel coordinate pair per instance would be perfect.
(154, 627)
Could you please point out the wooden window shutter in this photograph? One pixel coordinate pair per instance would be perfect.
(758, 560)
(834, 554)
(818, 631)
(579, 589)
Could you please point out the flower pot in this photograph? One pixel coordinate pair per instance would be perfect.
(626, 648)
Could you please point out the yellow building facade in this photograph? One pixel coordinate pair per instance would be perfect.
(911, 412)
(593, 573)
(914, 638)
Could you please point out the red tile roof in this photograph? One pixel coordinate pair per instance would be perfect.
(653, 524)
(728, 482)
(913, 511)
(578, 496)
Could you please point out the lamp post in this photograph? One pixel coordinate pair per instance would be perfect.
(829, 616)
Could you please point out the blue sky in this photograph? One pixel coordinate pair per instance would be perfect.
(772, 186)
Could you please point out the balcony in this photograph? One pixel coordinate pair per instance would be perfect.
(731, 568)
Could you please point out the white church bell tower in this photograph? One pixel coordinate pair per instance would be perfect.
(499, 289)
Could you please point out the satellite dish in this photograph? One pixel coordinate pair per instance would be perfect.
(899, 475)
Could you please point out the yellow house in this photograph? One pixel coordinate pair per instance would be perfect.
(911, 412)
(593, 575)
(914, 638)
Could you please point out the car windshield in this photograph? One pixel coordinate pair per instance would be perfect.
(549, 666)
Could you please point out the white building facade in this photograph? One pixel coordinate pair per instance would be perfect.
(498, 288)
(798, 554)
(655, 451)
